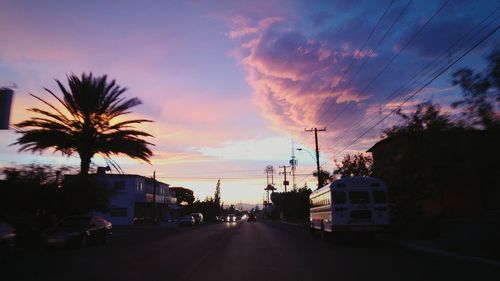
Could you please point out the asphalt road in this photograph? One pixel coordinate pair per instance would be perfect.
(237, 251)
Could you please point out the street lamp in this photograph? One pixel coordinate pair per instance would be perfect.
(317, 163)
(310, 154)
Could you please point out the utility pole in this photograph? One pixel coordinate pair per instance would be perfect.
(285, 183)
(293, 163)
(270, 186)
(154, 197)
(316, 130)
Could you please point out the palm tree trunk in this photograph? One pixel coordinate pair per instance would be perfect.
(84, 164)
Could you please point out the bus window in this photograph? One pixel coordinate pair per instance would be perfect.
(358, 197)
(339, 197)
(379, 197)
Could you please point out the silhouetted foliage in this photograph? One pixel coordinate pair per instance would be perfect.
(354, 165)
(426, 117)
(217, 193)
(324, 177)
(33, 197)
(184, 196)
(87, 123)
(297, 204)
(481, 94)
(208, 207)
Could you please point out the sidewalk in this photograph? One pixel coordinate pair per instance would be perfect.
(432, 247)
(427, 247)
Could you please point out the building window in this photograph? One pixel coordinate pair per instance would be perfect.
(118, 212)
(140, 186)
(119, 185)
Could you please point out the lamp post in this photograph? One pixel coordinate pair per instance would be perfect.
(317, 163)
(310, 154)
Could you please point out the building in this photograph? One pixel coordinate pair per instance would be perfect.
(184, 196)
(136, 199)
(451, 173)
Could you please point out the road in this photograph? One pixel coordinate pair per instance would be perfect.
(237, 251)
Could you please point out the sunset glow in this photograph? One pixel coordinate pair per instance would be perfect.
(229, 84)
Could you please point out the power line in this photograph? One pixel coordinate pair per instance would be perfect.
(424, 71)
(353, 58)
(395, 56)
(421, 88)
(365, 61)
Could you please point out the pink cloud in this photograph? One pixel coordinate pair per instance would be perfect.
(292, 75)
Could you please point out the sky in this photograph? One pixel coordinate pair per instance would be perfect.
(229, 84)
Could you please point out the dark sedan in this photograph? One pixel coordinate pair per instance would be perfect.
(252, 217)
(78, 231)
(7, 239)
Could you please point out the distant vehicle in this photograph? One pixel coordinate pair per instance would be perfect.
(231, 218)
(198, 218)
(350, 204)
(187, 220)
(7, 239)
(78, 231)
(252, 217)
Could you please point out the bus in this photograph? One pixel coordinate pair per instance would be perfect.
(350, 204)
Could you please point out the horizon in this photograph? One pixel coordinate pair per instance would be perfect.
(230, 86)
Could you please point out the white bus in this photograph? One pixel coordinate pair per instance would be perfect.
(350, 204)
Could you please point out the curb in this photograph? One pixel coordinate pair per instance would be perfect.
(432, 251)
(293, 223)
(438, 252)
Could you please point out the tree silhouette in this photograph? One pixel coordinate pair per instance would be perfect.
(426, 117)
(88, 124)
(354, 165)
(481, 93)
(324, 177)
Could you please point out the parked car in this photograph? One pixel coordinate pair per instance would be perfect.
(231, 218)
(78, 231)
(187, 220)
(198, 218)
(7, 239)
(252, 217)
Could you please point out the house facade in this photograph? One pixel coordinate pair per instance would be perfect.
(135, 199)
(450, 173)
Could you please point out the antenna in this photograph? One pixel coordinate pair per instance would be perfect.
(293, 164)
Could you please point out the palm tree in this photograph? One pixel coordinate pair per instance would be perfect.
(87, 124)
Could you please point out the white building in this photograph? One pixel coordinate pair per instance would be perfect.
(132, 198)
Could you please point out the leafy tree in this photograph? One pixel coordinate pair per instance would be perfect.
(481, 94)
(426, 117)
(324, 177)
(354, 165)
(217, 193)
(87, 123)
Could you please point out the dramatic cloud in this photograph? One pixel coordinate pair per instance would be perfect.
(314, 76)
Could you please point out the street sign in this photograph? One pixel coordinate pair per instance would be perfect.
(286, 183)
(5, 106)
